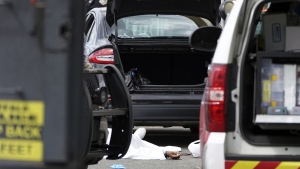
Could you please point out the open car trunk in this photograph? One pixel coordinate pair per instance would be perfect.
(177, 66)
(269, 109)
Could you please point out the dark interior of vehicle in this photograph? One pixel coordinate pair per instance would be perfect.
(169, 68)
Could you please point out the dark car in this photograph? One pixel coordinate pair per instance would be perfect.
(149, 43)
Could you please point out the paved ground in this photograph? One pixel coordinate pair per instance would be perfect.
(174, 136)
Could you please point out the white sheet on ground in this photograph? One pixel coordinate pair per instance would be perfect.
(141, 149)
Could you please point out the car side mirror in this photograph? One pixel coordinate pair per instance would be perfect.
(205, 38)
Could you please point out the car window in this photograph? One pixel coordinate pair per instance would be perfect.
(90, 32)
(90, 21)
(155, 26)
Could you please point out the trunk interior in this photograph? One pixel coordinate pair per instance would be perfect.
(169, 68)
(274, 130)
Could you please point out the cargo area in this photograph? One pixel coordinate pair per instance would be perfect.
(169, 68)
(270, 78)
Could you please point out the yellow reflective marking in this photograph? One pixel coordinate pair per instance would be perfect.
(266, 87)
(274, 77)
(273, 104)
(23, 150)
(22, 112)
(245, 165)
(288, 165)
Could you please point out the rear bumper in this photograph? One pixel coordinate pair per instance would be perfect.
(213, 157)
(213, 153)
(166, 110)
(166, 115)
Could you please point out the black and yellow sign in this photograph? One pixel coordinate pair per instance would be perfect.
(21, 124)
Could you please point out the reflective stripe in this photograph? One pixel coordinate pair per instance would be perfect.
(268, 164)
(229, 164)
(261, 165)
(289, 165)
(245, 164)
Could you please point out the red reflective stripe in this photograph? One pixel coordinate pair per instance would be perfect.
(267, 165)
(230, 164)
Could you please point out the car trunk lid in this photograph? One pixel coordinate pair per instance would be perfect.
(117, 9)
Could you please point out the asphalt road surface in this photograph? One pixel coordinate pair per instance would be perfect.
(173, 136)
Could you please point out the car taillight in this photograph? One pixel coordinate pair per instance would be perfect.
(102, 56)
(215, 98)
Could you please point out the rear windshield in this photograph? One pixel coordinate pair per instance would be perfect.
(156, 26)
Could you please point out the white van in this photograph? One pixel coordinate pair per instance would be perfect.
(250, 112)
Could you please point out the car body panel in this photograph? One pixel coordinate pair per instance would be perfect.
(213, 152)
(224, 53)
(95, 37)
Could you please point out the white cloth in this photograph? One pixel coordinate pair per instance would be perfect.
(141, 149)
(194, 148)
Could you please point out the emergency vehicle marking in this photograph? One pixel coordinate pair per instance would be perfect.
(26, 150)
(245, 164)
(289, 165)
(261, 165)
(21, 123)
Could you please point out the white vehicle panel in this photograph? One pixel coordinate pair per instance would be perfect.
(224, 53)
(214, 151)
(235, 144)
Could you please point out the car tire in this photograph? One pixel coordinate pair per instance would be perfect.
(87, 122)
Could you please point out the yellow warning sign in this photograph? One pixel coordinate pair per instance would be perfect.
(22, 112)
(21, 124)
(25, 150)
(28, 132)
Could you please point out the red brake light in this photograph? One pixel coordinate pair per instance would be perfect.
(215, 98)
(102, 56)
